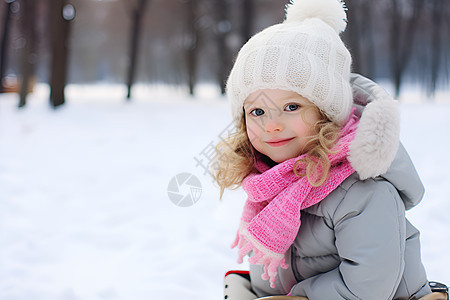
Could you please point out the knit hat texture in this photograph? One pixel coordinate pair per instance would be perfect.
(304, 54)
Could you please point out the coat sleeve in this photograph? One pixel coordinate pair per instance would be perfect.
(369, 226)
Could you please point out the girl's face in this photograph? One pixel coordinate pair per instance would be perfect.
(275, 126)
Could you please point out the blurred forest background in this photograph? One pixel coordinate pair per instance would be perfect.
(186, 42)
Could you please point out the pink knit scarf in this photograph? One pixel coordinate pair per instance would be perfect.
(271, 217)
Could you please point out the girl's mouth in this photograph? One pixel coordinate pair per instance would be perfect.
(278, 142)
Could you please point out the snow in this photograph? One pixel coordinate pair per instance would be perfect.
(84, 205)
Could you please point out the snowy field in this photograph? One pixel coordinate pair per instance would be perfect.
(84, 205)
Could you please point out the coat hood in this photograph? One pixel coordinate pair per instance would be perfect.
(376, 150)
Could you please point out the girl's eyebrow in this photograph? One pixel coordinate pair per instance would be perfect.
(254, 104)
(291, 98)
(248, 106)
(282, 100)
(296, 98)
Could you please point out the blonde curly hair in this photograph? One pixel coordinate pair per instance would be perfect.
(235, 156)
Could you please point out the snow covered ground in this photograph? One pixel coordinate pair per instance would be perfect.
(84, 205)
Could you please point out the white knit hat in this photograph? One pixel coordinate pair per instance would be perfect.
(304, 54)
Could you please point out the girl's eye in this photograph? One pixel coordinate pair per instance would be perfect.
(257, 112)
(292, 107)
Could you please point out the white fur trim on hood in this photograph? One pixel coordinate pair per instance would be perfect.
(377, 137)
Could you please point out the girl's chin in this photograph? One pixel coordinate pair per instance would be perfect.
(280, 159)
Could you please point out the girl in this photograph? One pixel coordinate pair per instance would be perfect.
(317, 151)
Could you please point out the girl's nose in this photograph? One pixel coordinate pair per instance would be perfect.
(273, 125)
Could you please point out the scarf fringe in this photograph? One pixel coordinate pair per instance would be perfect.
(246, 243)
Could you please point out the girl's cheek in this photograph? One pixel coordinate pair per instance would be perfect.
(252, 135)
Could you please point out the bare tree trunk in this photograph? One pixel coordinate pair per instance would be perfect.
(367, 11)
(222, 31)
(138, 13)
(446, 43)
(403, 31)
(359, 36)
(28, 27)
(61, 14)
(247, 19)
(191, 50)
(436, 44)
(352, 34)
(395, 46)
(5, 42)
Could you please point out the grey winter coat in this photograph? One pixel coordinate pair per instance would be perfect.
(357, 243)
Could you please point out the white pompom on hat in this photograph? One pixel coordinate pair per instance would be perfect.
(331, 12)
(304, 54)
